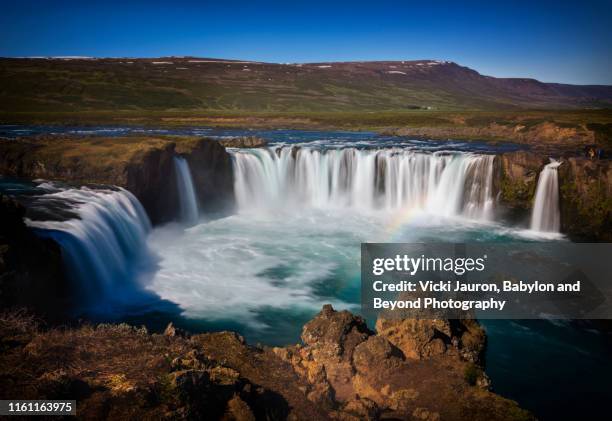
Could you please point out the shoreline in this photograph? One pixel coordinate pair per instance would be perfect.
(561, 130)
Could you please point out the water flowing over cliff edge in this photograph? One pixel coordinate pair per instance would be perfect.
(545, 215)
(388, 179)
(179, 178)
(288, 245)
(104, 246)
(188, 202)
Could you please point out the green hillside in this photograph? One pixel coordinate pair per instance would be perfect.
(166, 84)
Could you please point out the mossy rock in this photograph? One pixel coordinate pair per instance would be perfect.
(586, 209)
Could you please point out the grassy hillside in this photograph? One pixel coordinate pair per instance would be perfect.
(181, 84)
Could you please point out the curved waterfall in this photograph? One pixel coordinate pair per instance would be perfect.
(545, 215)
(443, 183)
(105, 247)
(188, 202)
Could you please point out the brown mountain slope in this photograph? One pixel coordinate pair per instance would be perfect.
(189, 83)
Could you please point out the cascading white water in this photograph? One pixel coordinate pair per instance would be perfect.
(545, 215)
(188, 202)
(105, 247)
(443, 183)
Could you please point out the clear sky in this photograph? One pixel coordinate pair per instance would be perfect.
(553, 41)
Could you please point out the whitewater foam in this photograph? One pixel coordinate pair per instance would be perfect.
(442, 183)
(188, 203)
(545, 216)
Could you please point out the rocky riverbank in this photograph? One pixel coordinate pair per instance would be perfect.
(341, 371)
(142, 165)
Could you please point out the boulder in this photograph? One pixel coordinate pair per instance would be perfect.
(335, 333)
(420, 339)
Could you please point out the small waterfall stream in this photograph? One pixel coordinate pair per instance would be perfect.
(443, 183)
(188, 202)
(545, 215)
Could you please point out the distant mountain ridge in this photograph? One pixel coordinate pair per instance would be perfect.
(190, 83)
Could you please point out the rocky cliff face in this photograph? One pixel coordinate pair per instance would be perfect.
(211, 169)
(586, 198)
(31, 269)
(411, 369)
(585, 188)
(341, 371)
(516, 178)
(151, 178)
(142, 165)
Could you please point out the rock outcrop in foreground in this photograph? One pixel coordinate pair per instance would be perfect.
(342, 371)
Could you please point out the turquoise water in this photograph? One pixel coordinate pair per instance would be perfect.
(270, 272)
(264, 272)
(266, 275)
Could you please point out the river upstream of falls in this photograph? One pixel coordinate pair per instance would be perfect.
(304, 205)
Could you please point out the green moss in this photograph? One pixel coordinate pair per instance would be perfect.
(165, 390)
(586, 212)
(471, 374)
(516, 193)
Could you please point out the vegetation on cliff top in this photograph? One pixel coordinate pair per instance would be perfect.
(143, 165)
(86, 159)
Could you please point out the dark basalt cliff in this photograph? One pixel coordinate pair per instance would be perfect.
(211, 170)
(31, 268)
(144, 166)
(585, 191)
(340, 371)
(517, 177)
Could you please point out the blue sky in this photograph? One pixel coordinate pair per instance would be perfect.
(559, 41)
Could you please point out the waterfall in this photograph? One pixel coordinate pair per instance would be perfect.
(104, 247)
(545, 215)
(394, 178)
(188, 203)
